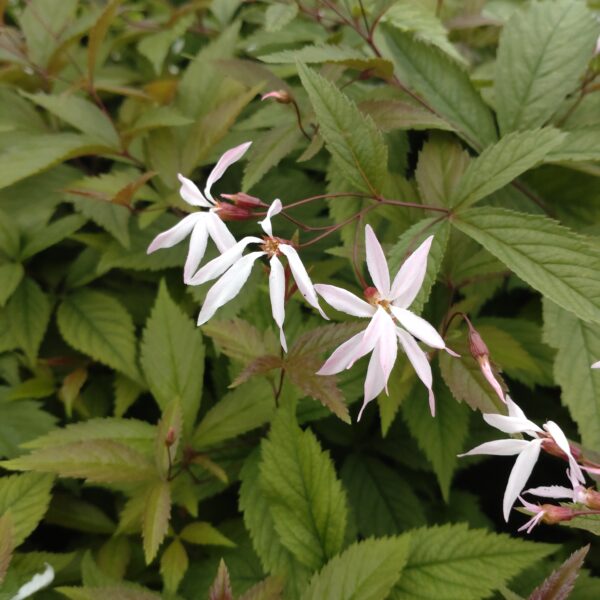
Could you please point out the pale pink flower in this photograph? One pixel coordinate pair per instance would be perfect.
(390, 321)
(538, 514)
(527, 451)
(234, 269)
(203, 223)
(548, 513)
(576, 493)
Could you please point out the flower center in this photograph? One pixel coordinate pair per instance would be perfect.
(271, 246)
(373, 297)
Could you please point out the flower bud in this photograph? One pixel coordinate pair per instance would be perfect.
(477, 346)
(280, 96)
(551, 447)
(231, 212)
(245, 200)
(371, 295)
(591, 498)
(553, 514)
(170, 437)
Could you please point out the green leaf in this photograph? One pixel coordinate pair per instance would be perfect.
(172, 357)
(390, 115)
(578, 146)
(11, 275)
(50, 235)
(441, 437)
(443, 561)
(278, 15)
(441, 82)
(382, 501)
(578, 345)
(7, 544)
(306, 499)
(354, 141)
(247, 407)
(98, 325)
(21, 422)
(28, 314)
(126, 591)
(76, 514)
(173, 565)
(155, 118)
(168, 436)
(204, 534)
(9, 236)
(543, 51)
(366, 570)
(504, 161)
(560, 264)
(25, 497)
(81, 114)
(157, 511)
(126, 393)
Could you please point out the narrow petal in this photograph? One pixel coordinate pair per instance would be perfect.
(37, 582)
(219, 265)
(520, 474)
(273, 210)
(376, 263)
(219, 233)
(409, 278)
(532, 522)
(514, 410)
(344, 300)
(387, 349)
(419, 327)
(197, 249)
(170, 237)
(191, 194)
(227, 287)
(486, 369)
(341, 356)
(301, 277)
(510, 424)
(551, 491)
(277, 294)
(418, 359)
(499, 448)
(375, 380)
(563, 443)
(596, 365)
(224, 163)
(372, 334)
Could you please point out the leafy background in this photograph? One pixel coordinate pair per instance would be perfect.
(489, 109)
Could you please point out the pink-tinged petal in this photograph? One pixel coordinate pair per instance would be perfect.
(372, 334)
(499, 448)
(344, 300)
(341, 356)
(277, 294)
(191, 194)
(178, 232)
(197, 249)
(227, 287)
(376, 263)
(596, 365)
(486, 369)
(520, 474)
(451, 352)
(223, 164)
(218, 266)
(419, 327)
(375, 380)
(563, 443)
(387, 350)
(533, 521)
(272, 211)
(301, 277)
(510, 424)
(551, 491)
(418, 359)
(219, 233)
(409, 278)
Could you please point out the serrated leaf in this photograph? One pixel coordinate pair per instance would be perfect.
(172, 357)
(25, 497)
(97, 35)
(50, 235)
(442, 84)
(504, 161)
(578, 146)
(114, 556)
(221, 587)
(543, 50)
(589, 523)
(560, 264)
(127, 591)
(7, 544)
(269, 589)
(19, 423)
(98, 325)
(390, 115)
(162, 116)
(204, 534)
(11, 275)
(73, 513)
(9, 236)
(173, 565)
(382, 501)
(259, 366)
(442, 561)
(155, 521)
(278, 15)
(354, 141)
(306, 499)
(126, 393)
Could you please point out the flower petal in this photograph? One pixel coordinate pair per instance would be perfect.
(499, 448)
(596, 365)
(344, 301)
(375, 380)
(223, 164)
(533, 521)
(191, 194)
(409, 278)
(277, 294)
(418, 359)
(486, 369)
(273, 210)
(219, 233)
(341, 357)
(219, 265)
(376, 263)
(520, 474)
(387, 350)
(301, 277)
(197, 249)
(418, 327)
(551, 491)
(372, 333)
(37, 582)
(228, 286)
(170, 237)
(510, 424)
(563, 443)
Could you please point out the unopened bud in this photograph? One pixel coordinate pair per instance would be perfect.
(553, 514)
(170, 437)
(371, 295)
(280, 96)
(477, 346)
(242, 199)
(231, 212)
(590, 498)
(551, 447)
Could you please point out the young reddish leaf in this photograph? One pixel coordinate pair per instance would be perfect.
(98, 33)
(269, 589)
(259, 366)
(221, 587)
(156, 518)
(71, 387)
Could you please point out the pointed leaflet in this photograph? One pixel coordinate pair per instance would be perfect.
(7, 544)
(172, 357)
(98, 325)
(578, 345)
(559, 584)
(221, 587)
(155, 519)
(444, 85)
(578, 146)
(443, 560)
(38, 239)
(543, 51)
(11, 275)
(204, 534)
(504, 161)
(352, 138)
(366, 570)
(173, 565)
(562, 265)
(306, 499)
